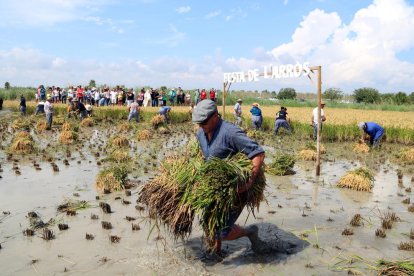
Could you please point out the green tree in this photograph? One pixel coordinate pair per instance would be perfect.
(92, 83)
(387, 98)
(333, 94)
(401, 98)
(411, 98)
(367, 95)
(7, 85)
(286, 93)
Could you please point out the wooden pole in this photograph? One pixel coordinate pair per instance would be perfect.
(318, 134)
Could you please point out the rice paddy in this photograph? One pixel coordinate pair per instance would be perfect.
(96, 204)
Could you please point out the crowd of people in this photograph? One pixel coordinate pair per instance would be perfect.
(120, 96)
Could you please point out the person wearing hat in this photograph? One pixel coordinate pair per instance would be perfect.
(315, 119)
(374, 130)
(257, 118)
(221, 139)
(238, 113)
(282, 120)
(49, 112)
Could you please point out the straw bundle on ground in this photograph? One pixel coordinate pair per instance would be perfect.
(119, 142)
(22, 143)
(67, 137)
(58, 120)
(361, 147)
(157, 121)
(87, 122)
(112, 179)
(21, 123)
(119, 156)
(144, 134)
(407, 154)
(187, 186)
(307, 155)
(282, 164)
(163, 130)
(396, 268)
(360, 179)
(41, 126)
(312, 146)
(124, 127)
(66, 127)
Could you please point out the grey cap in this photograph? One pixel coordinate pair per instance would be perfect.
(204, 110)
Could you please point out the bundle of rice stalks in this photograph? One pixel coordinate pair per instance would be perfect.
(282, 164)
(360, 179)
(163, 130)
(307, 155)
(407, 154)
(166, 195)
(124, 127)
(398, 268)
(67, 137)
(119, 156)
(144, 134)
(73, 205)
(361, 147)
(215, 195)
(22, 143)
(41, 126)
(21, 123)
(87, 122)
(112, 179)
(312, 146)
(255, 134)
(157, 121)
(66, 127)
(119, 142)
(58, 120)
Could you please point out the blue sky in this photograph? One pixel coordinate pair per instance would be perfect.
(191, 44)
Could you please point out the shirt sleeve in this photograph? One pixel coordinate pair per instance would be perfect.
(244, 144)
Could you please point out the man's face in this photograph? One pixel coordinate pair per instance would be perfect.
(210, 124)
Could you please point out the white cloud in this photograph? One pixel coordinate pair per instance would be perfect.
(183, 9)
(212, 14)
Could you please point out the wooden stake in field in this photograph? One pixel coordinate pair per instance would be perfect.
(318, 136)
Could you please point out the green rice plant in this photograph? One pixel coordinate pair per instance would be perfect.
(112, 179)
(215, 195)
(282, 164)
(73, 205)
(404, 267)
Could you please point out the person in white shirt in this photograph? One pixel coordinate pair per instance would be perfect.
(49, 113)
(114, 96)
(315, 120)
(238, 113)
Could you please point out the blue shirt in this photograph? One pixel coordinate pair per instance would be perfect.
(374, 130)
(164, 109)
(256, 111)
(227, 140)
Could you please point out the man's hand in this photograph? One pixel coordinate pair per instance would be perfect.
(257, 164)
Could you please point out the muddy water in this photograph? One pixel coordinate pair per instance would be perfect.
(310, 212)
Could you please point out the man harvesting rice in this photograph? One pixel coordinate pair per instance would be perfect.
(374, 130)
(222, 139)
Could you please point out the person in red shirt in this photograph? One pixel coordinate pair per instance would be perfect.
(212, 95)
(203, 94)
(79, 93)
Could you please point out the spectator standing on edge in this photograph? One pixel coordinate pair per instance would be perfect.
(49, 113)
(238, 113)
(315, 120)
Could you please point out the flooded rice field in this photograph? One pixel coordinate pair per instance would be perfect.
(335, 231)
